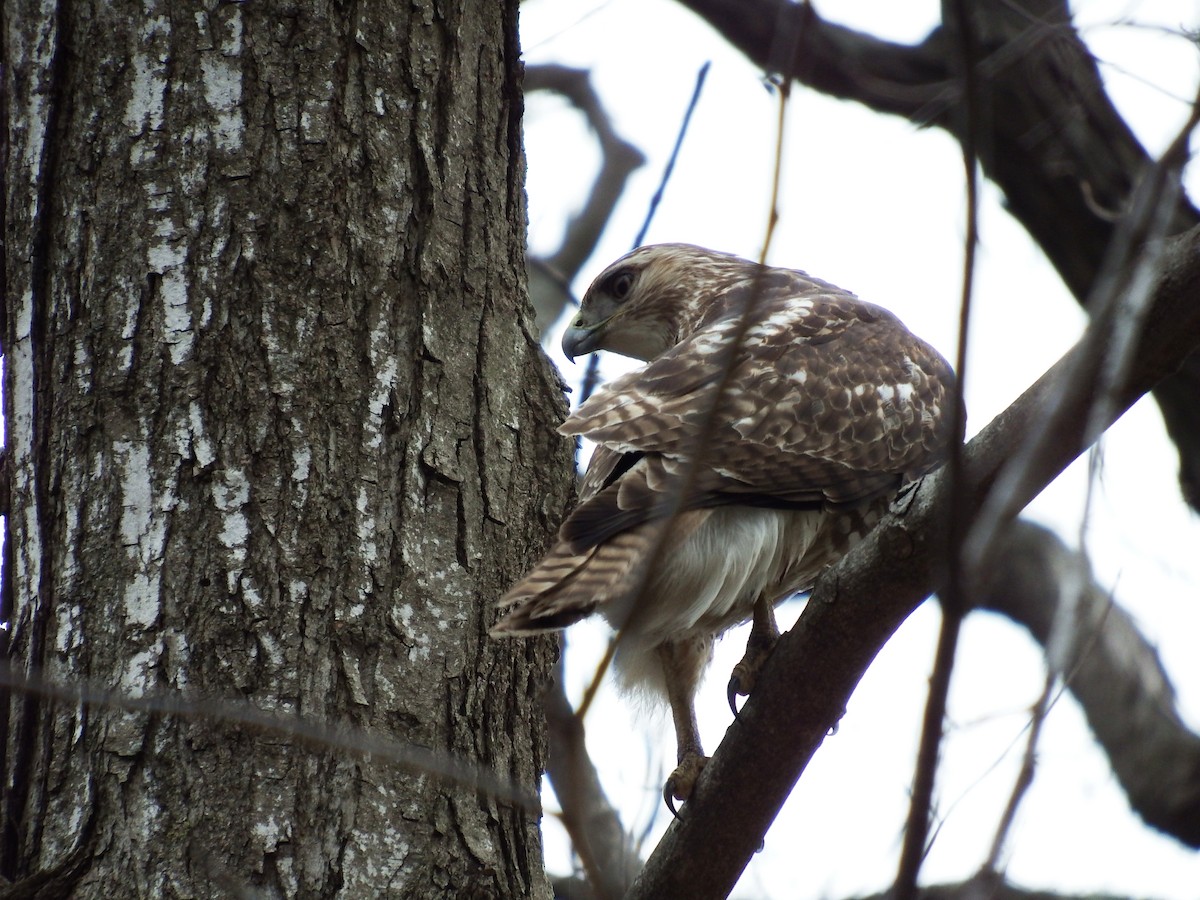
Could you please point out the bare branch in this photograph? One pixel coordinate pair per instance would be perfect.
(610, 860)
(859, 603)
(1111, 670)
(550, 279)
(1024, 776)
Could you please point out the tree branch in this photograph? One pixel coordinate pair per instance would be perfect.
(550, 278)
(1111, 670)
(1053, 142)
(609, 857)
(859, 603)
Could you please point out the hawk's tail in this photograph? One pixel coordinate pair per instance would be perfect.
(568, 586)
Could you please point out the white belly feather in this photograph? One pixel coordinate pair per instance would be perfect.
(709, 583)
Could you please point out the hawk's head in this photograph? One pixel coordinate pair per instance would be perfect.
(649, 300)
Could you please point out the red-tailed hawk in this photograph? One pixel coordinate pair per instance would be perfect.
(775, 419)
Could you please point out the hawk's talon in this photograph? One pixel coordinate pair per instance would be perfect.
(745, 673)
(681, 782)
(732, 691)
(669, 798)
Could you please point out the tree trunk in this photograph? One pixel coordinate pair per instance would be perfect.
(276, 441)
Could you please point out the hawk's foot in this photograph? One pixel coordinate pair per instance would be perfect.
(745, 673)
(679, 785)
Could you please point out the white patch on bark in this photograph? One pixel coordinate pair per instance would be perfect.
(365, 531)
(271, 648)
(383, 360)
(143, 534)
(128, 330)
(28, 552)
(231, 493)
(301, 462)
(66, 638)
(196, 440)
(180, 653)
(222, 76)
(270, 833)
(166, 256)
(139, 671)
(145, 112)
(384, 365)
(146, 106)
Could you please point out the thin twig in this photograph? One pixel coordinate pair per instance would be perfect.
(952, 599)
(785, 92)
(315, 734)
(592, 375)
(708, 421)
(1024, 776)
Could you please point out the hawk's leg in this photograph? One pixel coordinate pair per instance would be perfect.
(764, 633)
(683, 664)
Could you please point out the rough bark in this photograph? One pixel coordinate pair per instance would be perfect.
(1050, 138)
(276, 430)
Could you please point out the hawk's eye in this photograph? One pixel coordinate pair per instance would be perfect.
(621, 286)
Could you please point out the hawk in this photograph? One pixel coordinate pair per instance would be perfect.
(775, 419)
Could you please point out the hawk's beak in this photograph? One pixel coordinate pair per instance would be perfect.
(580, 338)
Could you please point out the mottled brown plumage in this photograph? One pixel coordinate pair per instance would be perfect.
(799, 411)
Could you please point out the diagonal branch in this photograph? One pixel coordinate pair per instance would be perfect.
(610, 859)
(550, 278)
(1110, 669)
(859, 603)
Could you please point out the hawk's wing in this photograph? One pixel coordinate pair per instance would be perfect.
(829, 401)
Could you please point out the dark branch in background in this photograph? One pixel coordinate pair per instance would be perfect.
(610, 859)
(1111, 670)
(1053, 142)
(550, 278)
(858, 604)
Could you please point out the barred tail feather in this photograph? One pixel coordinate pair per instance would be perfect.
(567, 586)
